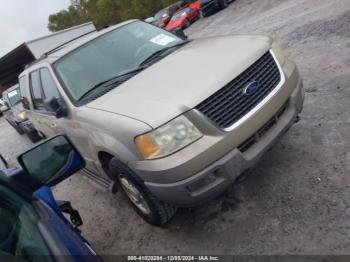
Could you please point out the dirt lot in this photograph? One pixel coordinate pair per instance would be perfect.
(297, 200)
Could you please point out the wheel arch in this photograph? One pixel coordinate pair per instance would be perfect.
(106, 158)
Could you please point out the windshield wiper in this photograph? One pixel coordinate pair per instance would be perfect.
(161, 53)
(113, 81)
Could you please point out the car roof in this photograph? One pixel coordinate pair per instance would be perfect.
(54, 55)
(10, 89)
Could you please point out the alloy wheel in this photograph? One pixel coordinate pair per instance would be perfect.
(135, 196)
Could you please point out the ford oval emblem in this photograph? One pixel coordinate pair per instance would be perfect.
(251, 88)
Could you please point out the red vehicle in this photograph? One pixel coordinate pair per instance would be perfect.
(183, 18)
(196, 4)
(162, 18)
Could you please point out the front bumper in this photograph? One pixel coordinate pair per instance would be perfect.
(206, 168)
(27, 126)
(216, 178)
(210, 7)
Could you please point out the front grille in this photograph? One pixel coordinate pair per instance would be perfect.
(229, 104)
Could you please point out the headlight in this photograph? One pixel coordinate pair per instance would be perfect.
(278, 51)
(22, 116)
(167, 139)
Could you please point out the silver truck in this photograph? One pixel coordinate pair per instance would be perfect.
(169, 121)
(15, 114)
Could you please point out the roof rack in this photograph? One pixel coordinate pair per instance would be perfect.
(60, 46)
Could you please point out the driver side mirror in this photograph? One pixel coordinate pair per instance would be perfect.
(180, 33)
(54, 105)
(50, 162)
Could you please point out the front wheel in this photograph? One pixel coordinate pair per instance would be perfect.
(151, 209)
(34, 136)
(187, 23)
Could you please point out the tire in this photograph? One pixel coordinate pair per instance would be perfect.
(34, 136)
(187, 23)
(156, 212)
(18, 129)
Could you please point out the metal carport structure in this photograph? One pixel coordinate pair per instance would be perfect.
(14, 62)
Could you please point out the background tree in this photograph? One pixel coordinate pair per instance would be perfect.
(104, 12)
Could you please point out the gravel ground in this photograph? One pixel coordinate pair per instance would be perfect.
(297, 200)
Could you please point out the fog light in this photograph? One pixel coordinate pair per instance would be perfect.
(201, 183)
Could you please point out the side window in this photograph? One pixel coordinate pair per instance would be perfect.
(36, 90)
(48, 85)
(19, 233)
(24, 92)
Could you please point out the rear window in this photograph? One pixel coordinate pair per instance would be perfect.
(14, 97)
(181, 13)
(161, 14)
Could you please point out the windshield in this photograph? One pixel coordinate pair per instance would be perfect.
(111, 54)
(14, 97)
(181, 13)
(161, 14)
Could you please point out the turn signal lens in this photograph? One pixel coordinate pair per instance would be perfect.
(146, 145)
(168, 138)
(22, 116)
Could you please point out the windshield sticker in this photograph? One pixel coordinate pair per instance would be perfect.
(162, 40)
(13, 93)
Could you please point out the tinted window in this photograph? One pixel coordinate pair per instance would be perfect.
(48, 85)
(24, 91)
(19, 234)
(14, 97)
(37, 95)
(161, 14)
(181, 13)
(111, 54)
(50, 160)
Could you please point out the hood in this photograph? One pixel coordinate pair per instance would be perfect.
(176, 23)
(183, 79)
(196, 5)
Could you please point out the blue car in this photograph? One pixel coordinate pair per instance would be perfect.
(32, 224)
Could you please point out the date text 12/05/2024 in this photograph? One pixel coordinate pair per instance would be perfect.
(173, 258)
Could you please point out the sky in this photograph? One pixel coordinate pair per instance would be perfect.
(24, 20)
